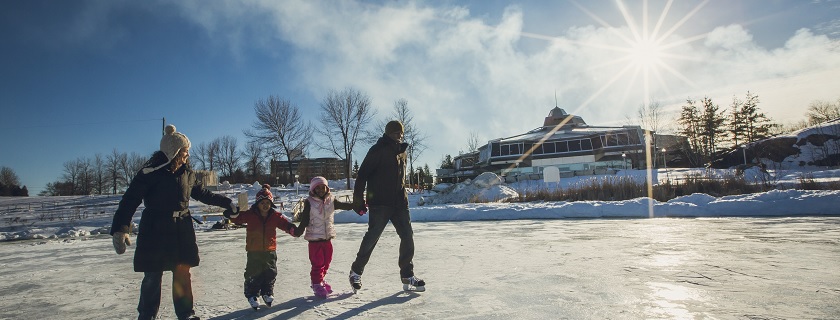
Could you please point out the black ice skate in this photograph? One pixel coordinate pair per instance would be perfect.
(355, 281)
(414, 284)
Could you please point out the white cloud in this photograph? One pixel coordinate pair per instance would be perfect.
(461, 74)
(729, 37)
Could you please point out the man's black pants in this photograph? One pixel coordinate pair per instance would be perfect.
(378, 218)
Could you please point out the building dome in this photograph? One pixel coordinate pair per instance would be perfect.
(557, 115)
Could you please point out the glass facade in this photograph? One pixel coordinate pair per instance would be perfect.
(605, 140)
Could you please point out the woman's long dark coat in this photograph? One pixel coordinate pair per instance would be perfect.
(164, 241)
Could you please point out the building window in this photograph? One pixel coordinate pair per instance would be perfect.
(623, 139)
(548, 147)
(539, 149)
(634, 139)
(612, 140)
(586, 144)
(596, 142)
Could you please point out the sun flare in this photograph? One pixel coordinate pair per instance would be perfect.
(646, 54)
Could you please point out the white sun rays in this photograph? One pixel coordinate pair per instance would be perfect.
(645, 51)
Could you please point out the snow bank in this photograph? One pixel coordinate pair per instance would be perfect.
(487, 187)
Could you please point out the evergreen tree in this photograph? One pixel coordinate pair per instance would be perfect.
(737, 127)
(447, 163)
(712, 130)
(756, 125)
(355, 168)
(689, 122)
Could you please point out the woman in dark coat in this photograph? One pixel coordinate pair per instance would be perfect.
(166, 239)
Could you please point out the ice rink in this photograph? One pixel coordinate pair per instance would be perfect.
(662, 268)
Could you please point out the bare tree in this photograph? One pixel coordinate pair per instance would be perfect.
(412, 135)
(280, 127)
(473, 143)
(200, 156)
(254, 165)
(100, 181)
(71, 175)
(822, 111)
(343, 115)
(206, 155)
(85, 176)
(130, 165)
(113, 162)
(650, 116)
(228, 157)
(8, 177)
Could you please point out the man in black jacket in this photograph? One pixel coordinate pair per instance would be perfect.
(383, 172)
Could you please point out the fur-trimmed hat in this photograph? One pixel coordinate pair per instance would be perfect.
(394, 126)
(317, 181)
(265, 194)
(170, 144)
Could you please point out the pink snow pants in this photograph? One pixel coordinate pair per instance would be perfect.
(320, 255)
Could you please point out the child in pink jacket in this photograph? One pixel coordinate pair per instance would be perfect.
(317, 218)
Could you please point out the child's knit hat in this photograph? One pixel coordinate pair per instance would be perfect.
(317, 181)
(265, 194)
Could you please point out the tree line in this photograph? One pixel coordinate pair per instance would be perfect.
(278, 132)
(710, 130)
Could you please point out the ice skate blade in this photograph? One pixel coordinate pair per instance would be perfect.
(410, 288)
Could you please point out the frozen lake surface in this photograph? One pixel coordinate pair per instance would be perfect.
(662, 268)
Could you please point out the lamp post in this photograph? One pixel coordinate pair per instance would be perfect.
(744, 149)
(624, 160)
(297, 185)
(665, 163)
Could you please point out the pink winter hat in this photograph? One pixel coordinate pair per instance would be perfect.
(317, 181)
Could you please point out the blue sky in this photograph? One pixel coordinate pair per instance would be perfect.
(84, 77)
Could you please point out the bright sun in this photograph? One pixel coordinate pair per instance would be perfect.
(643, 48)
(645, 54)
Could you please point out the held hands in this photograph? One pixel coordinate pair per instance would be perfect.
(293, 232)
(360, 207)
(121, 240)
(231, 212)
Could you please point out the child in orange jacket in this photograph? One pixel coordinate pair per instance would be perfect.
(261, 245)
(317, 218)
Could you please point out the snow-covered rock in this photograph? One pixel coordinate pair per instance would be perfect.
(487, 187)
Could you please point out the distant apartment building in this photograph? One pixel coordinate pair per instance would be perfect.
(307, 168)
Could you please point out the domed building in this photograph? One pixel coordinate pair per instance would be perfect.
(564, 141)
